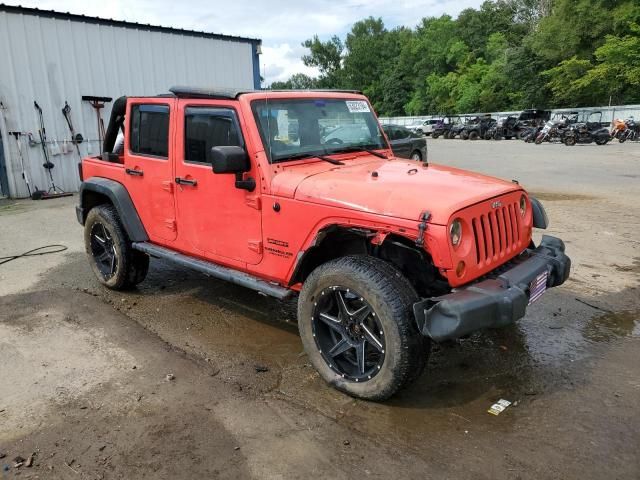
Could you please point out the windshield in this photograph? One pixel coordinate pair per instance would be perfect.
(299, 128)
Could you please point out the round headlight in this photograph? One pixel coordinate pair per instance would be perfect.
(523, 205)
(455, 232)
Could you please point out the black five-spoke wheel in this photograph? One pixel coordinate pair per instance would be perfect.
(356, 324)
(348, 334)
(111, 257)
(103, 250)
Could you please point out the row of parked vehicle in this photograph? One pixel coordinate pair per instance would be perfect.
(533, 126)
(571, 129)
(486, 127)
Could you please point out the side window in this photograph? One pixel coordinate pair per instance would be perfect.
(205, 128)
(150, 130)
(404, 133)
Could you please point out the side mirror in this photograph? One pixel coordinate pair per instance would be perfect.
(229, 159)
(233, 159)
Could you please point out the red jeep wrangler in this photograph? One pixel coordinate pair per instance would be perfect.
(298, 193)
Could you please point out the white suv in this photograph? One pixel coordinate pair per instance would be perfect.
(423, 127)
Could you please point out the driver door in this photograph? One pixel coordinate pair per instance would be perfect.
(216, 219)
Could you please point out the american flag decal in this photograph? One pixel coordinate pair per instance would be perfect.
(537, 287)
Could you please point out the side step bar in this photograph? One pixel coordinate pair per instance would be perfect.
(214, 270)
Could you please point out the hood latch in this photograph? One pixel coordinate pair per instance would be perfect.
(422, 227)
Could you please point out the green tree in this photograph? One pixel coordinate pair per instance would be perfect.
(327, 58)
(297, 81)
(505, 54)
(562, 83)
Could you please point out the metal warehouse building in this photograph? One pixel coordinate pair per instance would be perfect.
(52, 58)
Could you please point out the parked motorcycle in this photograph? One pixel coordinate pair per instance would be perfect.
(554, 130)
(580, 133)
(529, 134)
(625, 130)
(591, 130)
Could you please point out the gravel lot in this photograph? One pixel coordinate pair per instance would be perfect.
(84, 370)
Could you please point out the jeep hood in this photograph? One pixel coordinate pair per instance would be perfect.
(398, 188)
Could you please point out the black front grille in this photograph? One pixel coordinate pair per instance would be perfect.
(497, 233)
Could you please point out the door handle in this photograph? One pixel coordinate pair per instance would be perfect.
(135, 173)
(185, 181)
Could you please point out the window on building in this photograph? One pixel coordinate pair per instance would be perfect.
(206, 128)
(150, 130)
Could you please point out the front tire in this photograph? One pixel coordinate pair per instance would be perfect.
(116, 265)
(356, 324)
(473, 135)
(570, 140)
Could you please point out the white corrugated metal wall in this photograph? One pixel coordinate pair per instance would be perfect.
(52, 60)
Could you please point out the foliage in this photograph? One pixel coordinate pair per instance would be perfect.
(504, 55)
(297, 81)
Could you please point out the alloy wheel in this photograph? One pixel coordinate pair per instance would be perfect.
(103, 250)
(348, 334)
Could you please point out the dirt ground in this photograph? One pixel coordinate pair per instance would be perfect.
(168, 381)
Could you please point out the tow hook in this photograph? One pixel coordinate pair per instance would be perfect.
(422, 227)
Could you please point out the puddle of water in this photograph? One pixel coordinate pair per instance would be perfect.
(610, 326)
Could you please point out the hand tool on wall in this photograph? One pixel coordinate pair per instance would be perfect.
(17, 136)
(76, 138)
(53, 191)
(98, 104)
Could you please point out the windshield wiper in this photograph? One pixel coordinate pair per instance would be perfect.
(355, 148)
(300, 156)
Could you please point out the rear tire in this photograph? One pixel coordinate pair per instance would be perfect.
(473, 135)
(116, 265)
(464, 135)
(602, 140)
(416, 155)
(356, 282)
(570, 140)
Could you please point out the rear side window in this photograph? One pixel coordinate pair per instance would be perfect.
(206, 128)
(150, 130)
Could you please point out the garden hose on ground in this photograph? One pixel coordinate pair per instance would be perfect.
(46, 250)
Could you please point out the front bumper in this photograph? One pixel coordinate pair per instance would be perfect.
(499, 300)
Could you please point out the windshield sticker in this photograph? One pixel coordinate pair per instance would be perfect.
(283, 126)
(357, 106)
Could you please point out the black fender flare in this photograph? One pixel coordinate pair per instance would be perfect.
(119, 197)
(540, 219)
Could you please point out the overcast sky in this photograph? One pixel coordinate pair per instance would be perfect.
(281, 25)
